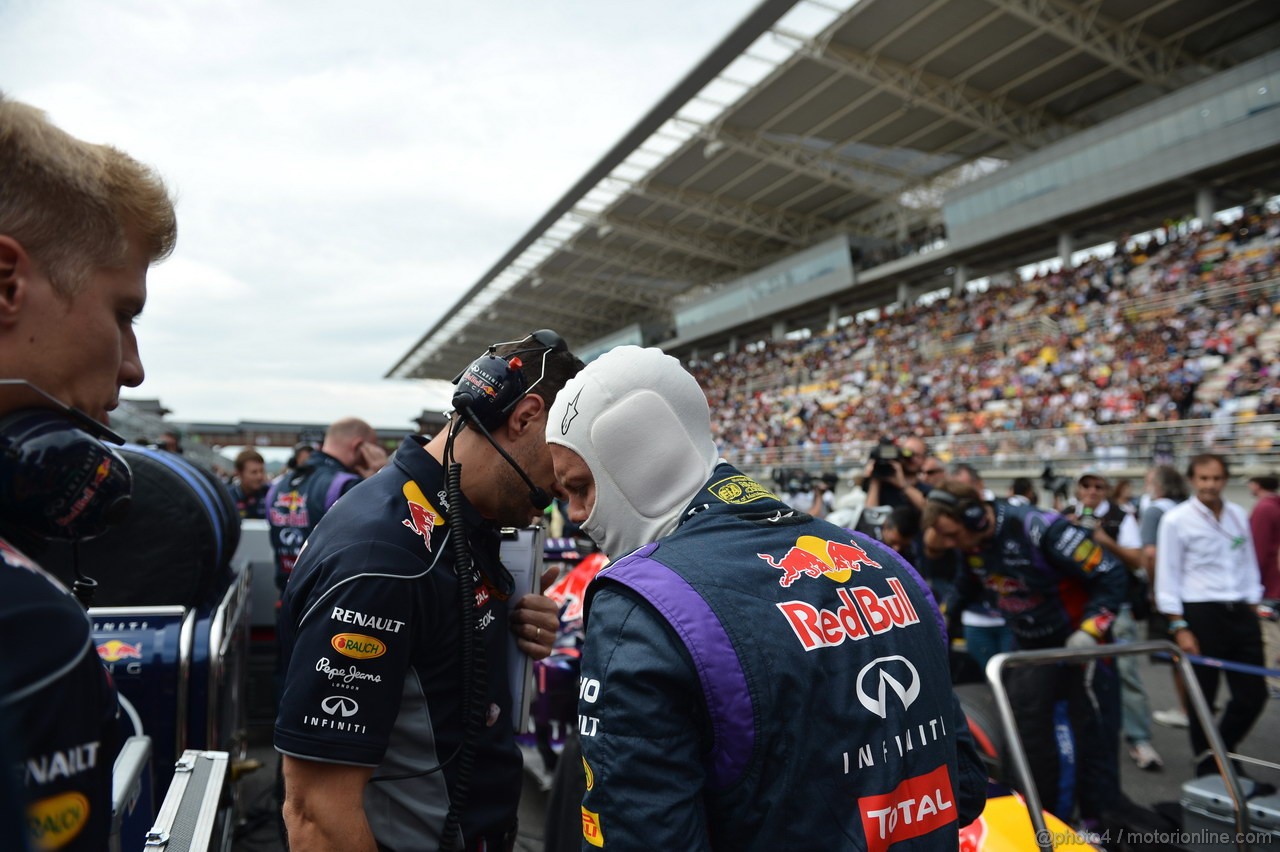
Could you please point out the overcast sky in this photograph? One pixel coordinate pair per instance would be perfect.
(344, 171)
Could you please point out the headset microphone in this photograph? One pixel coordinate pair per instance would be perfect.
(537, 496)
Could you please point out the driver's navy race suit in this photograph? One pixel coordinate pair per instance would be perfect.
(1051, 579)
(372, 627)
(760, 679)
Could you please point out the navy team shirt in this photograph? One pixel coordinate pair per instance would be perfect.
(371, 633)
(57, 708)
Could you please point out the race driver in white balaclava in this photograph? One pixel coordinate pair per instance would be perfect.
(613, 415)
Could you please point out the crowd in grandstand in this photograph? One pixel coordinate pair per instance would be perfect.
(1122, 339)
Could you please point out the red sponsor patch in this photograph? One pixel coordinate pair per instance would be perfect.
(914, 808)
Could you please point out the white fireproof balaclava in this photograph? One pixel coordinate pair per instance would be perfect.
(642, 425)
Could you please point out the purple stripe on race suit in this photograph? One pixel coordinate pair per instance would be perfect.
(335, 489)
(1037, 555)
(724, 684)
(915, 575)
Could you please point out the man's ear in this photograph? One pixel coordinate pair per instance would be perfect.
(14, 264)
(524, 416)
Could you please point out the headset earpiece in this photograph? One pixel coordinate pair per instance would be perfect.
(57, 481)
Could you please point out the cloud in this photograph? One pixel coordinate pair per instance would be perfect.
(344, 172)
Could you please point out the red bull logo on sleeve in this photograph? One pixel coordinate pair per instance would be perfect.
(863, 613)
(114, 651)
(916, 807)
(816, 557)
(423, 517)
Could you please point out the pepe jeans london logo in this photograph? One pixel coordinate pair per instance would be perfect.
(888, 669)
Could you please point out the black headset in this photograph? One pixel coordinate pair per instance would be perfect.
(973, 513)
(58, 479)
(491, 386)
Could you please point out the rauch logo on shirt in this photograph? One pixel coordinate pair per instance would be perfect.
(358, 646)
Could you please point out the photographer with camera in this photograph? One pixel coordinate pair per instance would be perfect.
(892, 476)
(815, 495)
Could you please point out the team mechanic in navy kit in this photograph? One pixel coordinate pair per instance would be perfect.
(752, 678)
(80, 225)
(297, 501)
(373, 722)
(1056, 588)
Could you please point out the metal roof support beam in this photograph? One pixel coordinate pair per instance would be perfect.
(743, 35)
(507, 329)
(781, 225)
(998, 116)
(677, 239)
(614, 290)
(820, 164)
(1120, 45)
(554, 307)
(686, 270)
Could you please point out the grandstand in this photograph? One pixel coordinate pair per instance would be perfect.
(899, 161)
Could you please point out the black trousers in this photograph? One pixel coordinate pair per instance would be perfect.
(1228, 631)
(1068, 716)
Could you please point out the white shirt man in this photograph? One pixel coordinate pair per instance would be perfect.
(1208, 584)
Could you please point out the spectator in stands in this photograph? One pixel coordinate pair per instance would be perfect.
(1264, 522)
(250, 487)
(1116, 340)
(1208, 585)
(80, 225)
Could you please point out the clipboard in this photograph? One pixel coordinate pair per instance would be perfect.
(521, 555)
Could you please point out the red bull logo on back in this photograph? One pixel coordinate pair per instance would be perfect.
(816, 557)
(862, 613)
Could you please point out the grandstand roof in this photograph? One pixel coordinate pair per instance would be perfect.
(811, 119)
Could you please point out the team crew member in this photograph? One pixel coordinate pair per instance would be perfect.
(250, 488)
(1208, 586)
(371, 723)
(1055, 587)
(79, 226)
(724, 646)
(297, 502)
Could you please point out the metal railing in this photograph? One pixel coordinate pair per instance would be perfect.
(1053, 656)
(1244, 440)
